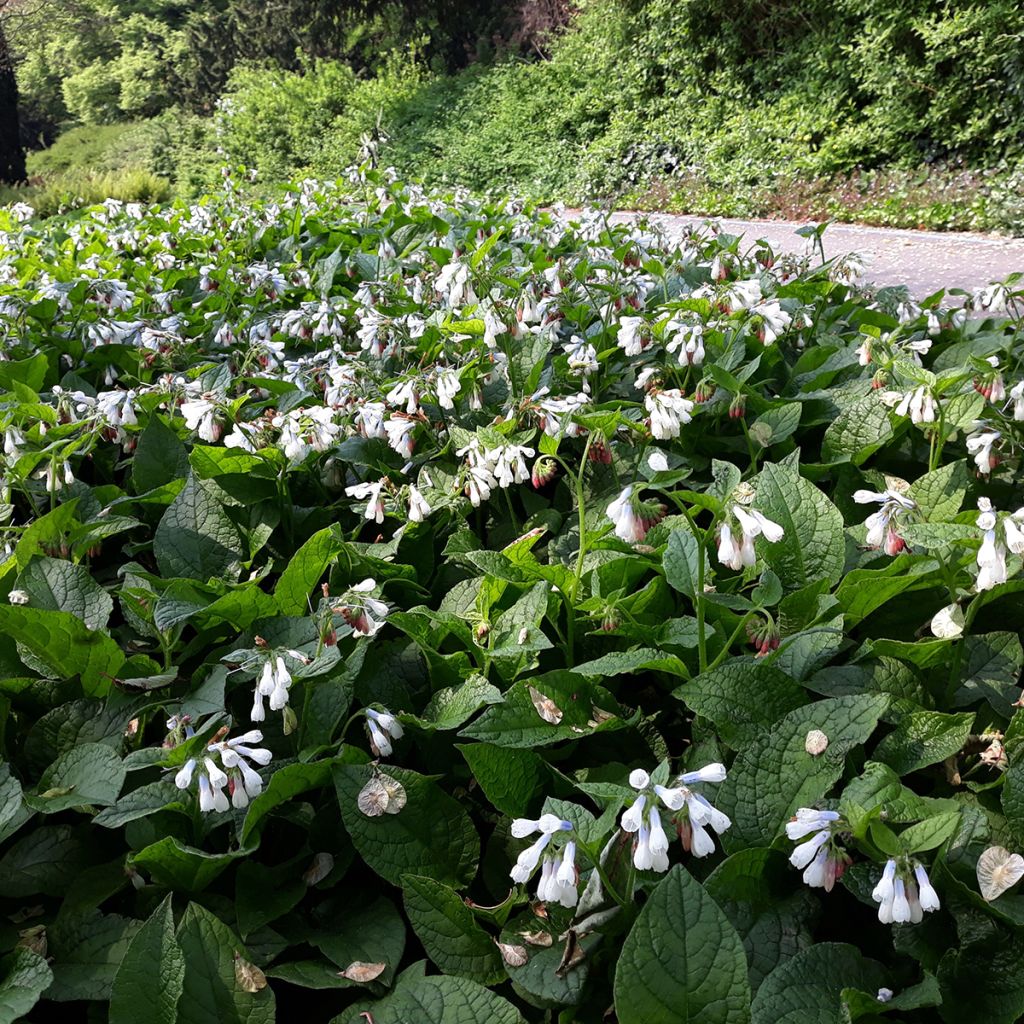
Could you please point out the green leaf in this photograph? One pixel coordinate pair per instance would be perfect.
(982, 980)
(150, 978)
(86, 949)
(44, 861)
(812, 547)
(940, 494)
(722, 695)
(432, 835)
(87, 774)
(61, 586)
(923, 738)
(24, 976)
(434, 1000)
(641, 659)
(370, 932)
(211, 993)
(517, 722)
(992, 670)
(449, 932)
(263, 894)
(172, 863)
(139, 803)
(768, 905)
(809, 987)
(860, 429)
(451, 706)
(159, 457)
(286, 783)
(682, 562)
(195, 538)
(304, 571)
(930, 833)
(682, 960)
(776, 424)
(61, 641)
(509, 778)
(774, 775)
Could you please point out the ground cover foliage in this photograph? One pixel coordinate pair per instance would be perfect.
(421, 608)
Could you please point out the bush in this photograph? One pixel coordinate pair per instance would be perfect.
(419, 608)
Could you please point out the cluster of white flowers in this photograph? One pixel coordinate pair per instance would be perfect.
(382, 727)
(884, 525)
(559, 875)
(991, 559)
(690, 812)
(736, 534)
(903, 899)
(820, 858)
(224, 770)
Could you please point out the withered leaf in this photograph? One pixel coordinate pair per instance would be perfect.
(538, 938)
(572, 956)
(319, 869)
(397, 798)
(546, 707)
(373, 798)
(249, 977)
(514, 956)
(361, 972)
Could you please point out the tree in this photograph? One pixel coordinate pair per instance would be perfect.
(12, 151)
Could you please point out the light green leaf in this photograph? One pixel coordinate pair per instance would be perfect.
(682, 562)
(62, 641)
(682, 962)
(87, 774)
(860, 429)
(451, 706)
(449, 932)
(940, 494)
(508, 777)
(812, 547)
(930, 833)
(304, 570)
(150, 978)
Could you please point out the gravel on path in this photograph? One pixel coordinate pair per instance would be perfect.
(924, 261)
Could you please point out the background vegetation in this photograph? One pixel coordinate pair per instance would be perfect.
(903, 112)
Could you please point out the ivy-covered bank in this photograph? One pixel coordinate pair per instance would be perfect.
(420, 609)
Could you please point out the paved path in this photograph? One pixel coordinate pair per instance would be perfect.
(924, 261)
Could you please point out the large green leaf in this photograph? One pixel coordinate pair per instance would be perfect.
(86, 949)
(24, 976)
(508, 777)
(434, 1000)
(61, 641)
(432, 835)
(449, 932)
(172, 863)
(808, 988)
(682, 962)
(304, 570)
(859, 430)
(58, 585)
(742, 698)
(212, 992)
(151, 976)
(812, 547)
(774, 775)
(195, 538)
(923, 738)
(87, 774)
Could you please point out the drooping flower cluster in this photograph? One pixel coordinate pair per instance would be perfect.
(884, 525)
(689, 812)
(737, 532)
(821, 858)
(991, 558)
(382, 727)
(556, 853)
(633, 517)
(274, 681)
(224, 770)
(904, 893)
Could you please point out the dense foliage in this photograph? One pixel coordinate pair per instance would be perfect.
(423, 609)
(729, 107)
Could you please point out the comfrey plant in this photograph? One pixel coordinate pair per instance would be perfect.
(487, 505)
